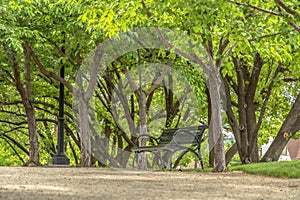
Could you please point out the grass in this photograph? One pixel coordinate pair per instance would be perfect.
(284, 169)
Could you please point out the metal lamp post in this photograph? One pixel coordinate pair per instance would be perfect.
(60, 158)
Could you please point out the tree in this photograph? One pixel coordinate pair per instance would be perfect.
(36, 32)
(24, 90)
(290, 126)
(251, 47)
(284, 12)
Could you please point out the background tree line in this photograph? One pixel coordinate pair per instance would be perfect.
(254, 44)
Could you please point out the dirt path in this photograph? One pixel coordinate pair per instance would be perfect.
(95, 183)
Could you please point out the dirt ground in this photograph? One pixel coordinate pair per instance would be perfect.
(95, 183)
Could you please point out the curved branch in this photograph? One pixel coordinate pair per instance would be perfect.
(44, 70)
(16, 143)
(14, 150)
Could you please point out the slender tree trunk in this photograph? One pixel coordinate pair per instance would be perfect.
(27, 101)
(252, 133)
(251, 108)
(85, 142)
(211, 155)
(84, 127)
(230, 153)
(215, 126)
(242, 106)
(33, 136)
(142, 158)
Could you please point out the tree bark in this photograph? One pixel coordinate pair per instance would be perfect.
(290, 126)
(84, 128)
(142, 158)
(211, 156)
(215, 126)
(245, 128)
(230, 153)
(253, 155)
(27, 101)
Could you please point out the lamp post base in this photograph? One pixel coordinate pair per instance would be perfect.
(59, 159)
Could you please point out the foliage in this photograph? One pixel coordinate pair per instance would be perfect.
(64, 32)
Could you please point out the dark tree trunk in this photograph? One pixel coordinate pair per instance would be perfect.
(242, 106)
(251, 109)
(230, 153)
(245, 127)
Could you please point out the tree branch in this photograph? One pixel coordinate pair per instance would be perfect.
(264, 36)
(291, 79)
(232, 119)
(281, 4)
(221, 49)
(256, 8)
(294, 25)
(14, 150)
(16, 143)
(43, 69)
(160, 79)
(61, 52)
(232, 83)
(192, 58)
(264, 106)
(12, 113)
(286, 8)
(251, 89)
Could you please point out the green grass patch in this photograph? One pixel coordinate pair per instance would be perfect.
(284, 169)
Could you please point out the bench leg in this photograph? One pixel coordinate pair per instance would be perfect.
(200, 157)
(157, 156)
(135, 156)
(170, 163)
(201, 164)
(170, 160)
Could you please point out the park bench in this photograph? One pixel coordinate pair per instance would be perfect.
(171, 141)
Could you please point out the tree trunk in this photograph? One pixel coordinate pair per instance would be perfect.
(251, 108)
(245, 127)
(84, 127)
(33, 138)
(211, 155)
(85, 142)
(232, 121)
(215, 126)
(290, 126)
(242, 106)
(27, 101)
(142, 157)
(230, 153)
(253, 155)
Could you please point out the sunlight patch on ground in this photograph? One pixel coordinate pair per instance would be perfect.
(33, 187)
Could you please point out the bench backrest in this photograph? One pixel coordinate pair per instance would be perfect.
(180, 136)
